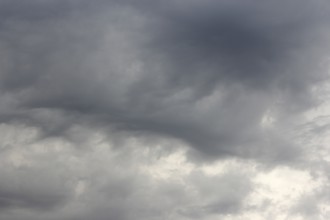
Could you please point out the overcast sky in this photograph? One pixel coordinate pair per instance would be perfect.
(164, 109)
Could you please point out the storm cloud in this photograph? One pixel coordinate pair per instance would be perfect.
(162, 109)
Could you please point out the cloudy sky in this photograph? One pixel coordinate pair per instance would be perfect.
(164, 109)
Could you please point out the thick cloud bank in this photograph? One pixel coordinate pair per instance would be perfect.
(164, 109)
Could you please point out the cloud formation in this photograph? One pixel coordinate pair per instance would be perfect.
(162, 109)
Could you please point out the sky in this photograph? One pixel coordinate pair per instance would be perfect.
(164, 110)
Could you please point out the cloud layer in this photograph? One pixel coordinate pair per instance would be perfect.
(163, 109)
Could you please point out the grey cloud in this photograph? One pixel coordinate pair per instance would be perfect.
(204, 73)
(307, 206)
(31, 189)
(52, 179)
(226, 193)
(220, 195)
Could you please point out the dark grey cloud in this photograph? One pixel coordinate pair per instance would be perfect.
(222, 79)
(204, 73)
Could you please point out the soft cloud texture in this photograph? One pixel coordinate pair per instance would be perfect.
(164, 109)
